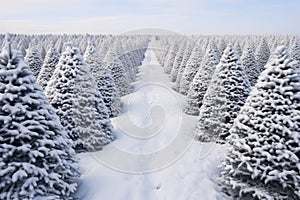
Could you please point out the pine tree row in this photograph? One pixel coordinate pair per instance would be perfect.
(248, 98)
(54, 106)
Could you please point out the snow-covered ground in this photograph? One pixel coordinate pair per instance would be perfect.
(154, 155)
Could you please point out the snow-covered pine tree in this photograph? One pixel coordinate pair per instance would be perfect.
(127, 63)
(21, 47)
(135, 58)
(295, 50)
(192, 66)
(73, 93)
(118, 72)
(262, 54)
(263, 161)
(238, 49)
(104, 47)
(250, 65)
(166, 54)
(171, 56)
(51, 60)
(185, 58)
(128, 60)
(160, 46)
(221, 45)
(4, 41)
(177, 61)
(201, 81)
(34, 60)
(292, 41)
(224, 97)
(105, 82)
(43, 51)
(1, 40)
(213, 45)
(91, 116)
(59, 44)
(36, 156)
(274, 43)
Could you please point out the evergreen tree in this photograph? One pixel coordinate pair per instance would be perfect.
(51, 60)
(201, 81)
(127, 63)
(263, 161)
(262, 54)
(166, 55)
(34, 60)
(249, 63)
(177, 62)
(36, 157)
(214, 46)
(295, 50)
(104, 47)
(190, 70)
(171, 57)
(185, 58)
(43, 51)
(238, 49)
(72, 92)
(130, 61)
(104, 81)
(118, 71)
(59, 44)
(221, 46)
(21, 47)
(91, 116)
(276, 41)
(224, 97)
(160, 46)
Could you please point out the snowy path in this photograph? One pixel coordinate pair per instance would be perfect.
(154, 136)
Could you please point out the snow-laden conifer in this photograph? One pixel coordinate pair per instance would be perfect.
(34, 60)
(192, 66)
(51, 60)
(36, 156)
(105, 82)
(201, 81)
(224, 97)
(263, 161)
(74, 95)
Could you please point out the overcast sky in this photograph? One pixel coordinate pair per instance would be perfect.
(184, 16)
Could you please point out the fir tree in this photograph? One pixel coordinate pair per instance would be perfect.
(72, 92)
(262, 54)
(177, 62)
(104, 47)
(171, 57)
(224, 97)
(201, 81)
(118, 71)
(249, 63)
(263, 161)
(104, 81)
(238, 49)
(221, 46)
(295, 50)
(34, 60)
(36, 157)
(185, 58)
(51, 60)
(190, 70)
(21, 47)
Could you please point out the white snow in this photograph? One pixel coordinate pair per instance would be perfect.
(154, 155)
